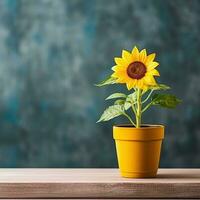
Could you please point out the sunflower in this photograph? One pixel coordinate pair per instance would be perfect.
(136, 69)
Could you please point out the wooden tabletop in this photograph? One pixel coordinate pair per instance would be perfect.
(97, 183)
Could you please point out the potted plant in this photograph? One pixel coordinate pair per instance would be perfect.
(138, 145)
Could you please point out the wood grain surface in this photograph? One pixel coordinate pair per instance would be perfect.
(97, 183)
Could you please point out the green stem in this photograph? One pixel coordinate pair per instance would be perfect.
(139, 108)
(147, 106)
(129, 119)
(148, 97)
(133, 105)
(133, 108)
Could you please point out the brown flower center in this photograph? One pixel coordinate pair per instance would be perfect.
(136, 70)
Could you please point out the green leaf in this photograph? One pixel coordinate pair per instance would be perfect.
(119, 102)
(116, 95)
(160, 87)
(108, 81)
(111, 112)
(132, 97)
(127, 105)
(165, 100)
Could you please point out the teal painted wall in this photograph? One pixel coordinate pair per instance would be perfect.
(53, 51)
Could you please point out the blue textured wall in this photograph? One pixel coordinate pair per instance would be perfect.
(53, 51)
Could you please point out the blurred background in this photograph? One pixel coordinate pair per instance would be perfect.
(52, 52)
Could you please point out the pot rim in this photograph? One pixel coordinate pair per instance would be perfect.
(151, 132)
(143, 127)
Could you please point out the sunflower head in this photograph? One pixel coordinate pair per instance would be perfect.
(136, 69)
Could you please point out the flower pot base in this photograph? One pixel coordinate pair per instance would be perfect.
(139, 174)
(138, 150)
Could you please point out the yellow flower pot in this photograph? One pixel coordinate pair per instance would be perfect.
(138, 149)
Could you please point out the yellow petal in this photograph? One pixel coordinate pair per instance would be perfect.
(154, 72)
(140, 83)
(116, 68)
(149, 80)
(150, 58)
(127, 56)
(135, 53)
(120, 61)
(120, 81)
(143, 55)
(152, 66)
(129, 86)
(145, 88)
(132, 82)
(114, 75)
(120, 74)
